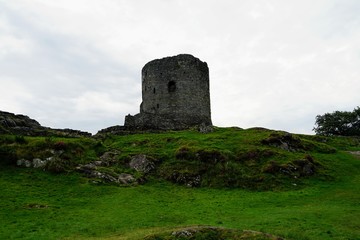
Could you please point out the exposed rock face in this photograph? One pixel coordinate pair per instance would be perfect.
(209, 232)
(142, 164)
(18, 124)
(125, 178)
(23, 125)
(95, 170)
(285, 141)
(38, 163)
(298, 168)
(114, 130)
(175, 93)
(108, 158)
(24, 163)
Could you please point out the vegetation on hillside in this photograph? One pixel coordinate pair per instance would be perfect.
(292, 186)
(257, 159)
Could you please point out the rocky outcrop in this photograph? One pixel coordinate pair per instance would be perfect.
(18, 124)
(24, 163)
(40, 163)
(116, 130)
(285, 141)
(23, 125)
(68, 133)
(97, 170)
(209, 232)
(141, 163)
(298, 168)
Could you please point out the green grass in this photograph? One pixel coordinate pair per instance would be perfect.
(36, 204)
(73, 208)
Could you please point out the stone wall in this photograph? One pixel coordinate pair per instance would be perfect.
(175, 94)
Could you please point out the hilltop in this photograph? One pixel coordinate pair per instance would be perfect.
(158, 183)
(255, 159)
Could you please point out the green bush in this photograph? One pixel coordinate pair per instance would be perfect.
(99, 148)
(60, 145)
(7, 155)
(20, 140)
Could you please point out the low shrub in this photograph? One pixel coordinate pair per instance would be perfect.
(7, 155)
(99, 148)
(306, 166)
(272, 167)
(185, 153)
(60, 146)
(20, 139)
(254, 154)
(58, 165)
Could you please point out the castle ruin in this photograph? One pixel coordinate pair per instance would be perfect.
(175, 95)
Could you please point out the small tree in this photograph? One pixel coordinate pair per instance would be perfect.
(338, 123)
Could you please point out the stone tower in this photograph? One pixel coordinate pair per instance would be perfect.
(175, 94)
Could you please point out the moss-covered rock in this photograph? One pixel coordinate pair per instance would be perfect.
(211, 233)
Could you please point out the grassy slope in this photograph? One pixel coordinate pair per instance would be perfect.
(39, 205)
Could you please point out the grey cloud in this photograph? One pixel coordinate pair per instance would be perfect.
(275, 64)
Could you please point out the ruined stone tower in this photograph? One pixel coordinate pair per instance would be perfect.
(175, 94)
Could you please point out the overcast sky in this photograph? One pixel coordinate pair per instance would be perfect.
(273, 63)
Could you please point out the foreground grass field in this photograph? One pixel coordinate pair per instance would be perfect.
(36, 204)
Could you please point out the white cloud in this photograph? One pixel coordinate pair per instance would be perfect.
(10, 45)
(99, 103)
(11, 42)
(14, 96)
(275, 64)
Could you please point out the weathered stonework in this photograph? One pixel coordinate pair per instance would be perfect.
(175, 94)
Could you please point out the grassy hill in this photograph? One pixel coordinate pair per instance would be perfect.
(258, 180)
